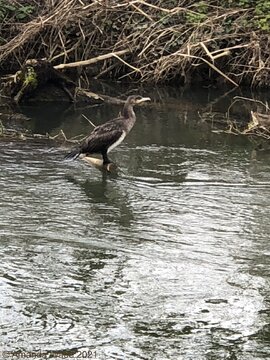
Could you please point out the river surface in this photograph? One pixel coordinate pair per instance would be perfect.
(168, 259)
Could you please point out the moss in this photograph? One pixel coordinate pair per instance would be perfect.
(30, 78)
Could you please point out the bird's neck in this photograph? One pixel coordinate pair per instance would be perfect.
(128, 112)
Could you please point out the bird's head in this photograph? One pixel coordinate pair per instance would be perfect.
(137, 99)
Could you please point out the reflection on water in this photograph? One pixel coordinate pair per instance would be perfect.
(167, 260)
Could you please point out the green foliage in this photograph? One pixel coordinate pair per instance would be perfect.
(199, 13)
(245, 3)
(264, 22)
(262, 10)
(20, 12)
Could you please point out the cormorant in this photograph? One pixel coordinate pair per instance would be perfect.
(107, 136)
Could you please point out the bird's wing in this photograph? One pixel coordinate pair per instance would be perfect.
(100, 140)
(108, 126)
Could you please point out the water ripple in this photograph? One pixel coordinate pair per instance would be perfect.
(169, 259)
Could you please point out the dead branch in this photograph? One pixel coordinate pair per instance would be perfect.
(93, 60)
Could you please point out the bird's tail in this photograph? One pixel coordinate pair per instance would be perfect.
(73, 155)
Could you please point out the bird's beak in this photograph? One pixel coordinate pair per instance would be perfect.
(142, 100)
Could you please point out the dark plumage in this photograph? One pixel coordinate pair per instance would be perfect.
(107, 136)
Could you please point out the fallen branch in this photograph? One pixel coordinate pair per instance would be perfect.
(91, 95)
(93, 60)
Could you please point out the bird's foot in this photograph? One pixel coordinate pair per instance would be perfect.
(107, 162)
(109, 166)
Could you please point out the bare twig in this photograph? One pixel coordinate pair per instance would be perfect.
(90, 122)
(252, 100)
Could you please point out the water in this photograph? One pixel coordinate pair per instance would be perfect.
(167, 260)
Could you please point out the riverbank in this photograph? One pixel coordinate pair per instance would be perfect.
(184, 43)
